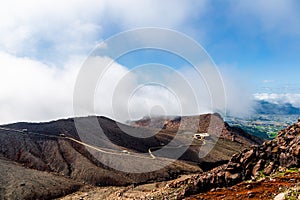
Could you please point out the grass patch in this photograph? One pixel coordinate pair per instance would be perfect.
(292, 170)
(261, 176)
(283, 173)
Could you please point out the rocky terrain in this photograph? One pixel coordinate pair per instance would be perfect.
(266, 159)
(40, 150)
(279, 186)
(267, 171)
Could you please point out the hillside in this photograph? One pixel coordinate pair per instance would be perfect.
(42, 148)
(18, 182)
(206, 123)
(258, 172)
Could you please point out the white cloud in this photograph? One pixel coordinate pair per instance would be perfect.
(181, 92)
(150, 100)
(52, 30)
(31, 90)
(168, 13)
(149, 90)
(291, 98)
(32, 27)
(238, 91)
(268, 81)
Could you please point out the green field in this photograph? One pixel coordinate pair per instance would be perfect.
(264, 126)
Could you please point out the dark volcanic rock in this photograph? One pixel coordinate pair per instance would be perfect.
(42, 148)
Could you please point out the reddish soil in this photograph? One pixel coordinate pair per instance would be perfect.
(264, 189)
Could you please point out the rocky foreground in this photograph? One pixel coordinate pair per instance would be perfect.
(279, 186)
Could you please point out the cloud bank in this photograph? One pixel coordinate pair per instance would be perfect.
(291, 98)
(33, 91)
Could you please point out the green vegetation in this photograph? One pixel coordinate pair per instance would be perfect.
(262, 175)
(292, 170)
(257, 131)
(283, 173)
(272, 134)
(263, 126)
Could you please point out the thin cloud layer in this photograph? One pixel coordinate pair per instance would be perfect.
(275, 18)
(293, 99)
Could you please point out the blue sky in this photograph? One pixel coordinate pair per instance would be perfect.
(256, 43)
(263, 42)
(258, 38)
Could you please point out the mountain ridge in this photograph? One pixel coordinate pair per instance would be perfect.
(267, 108)
(40, 146)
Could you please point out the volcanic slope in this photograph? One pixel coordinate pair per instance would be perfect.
(56, 148)
(264, 171)
(18, 182)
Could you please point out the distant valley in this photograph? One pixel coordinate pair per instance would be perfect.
(267, 119)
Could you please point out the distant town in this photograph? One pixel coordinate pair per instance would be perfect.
(265, 126)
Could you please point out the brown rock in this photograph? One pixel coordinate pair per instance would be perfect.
(282, 156)
(250, 194)
(275, 150)
(235, 158)
(269, 169)
(283, 147)
(233, 167)
(257, 167)
(231, 177)
(249, 187)
(268, 150)
(289, 137)
(262, 154)
(297, 151)
(248, 155)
